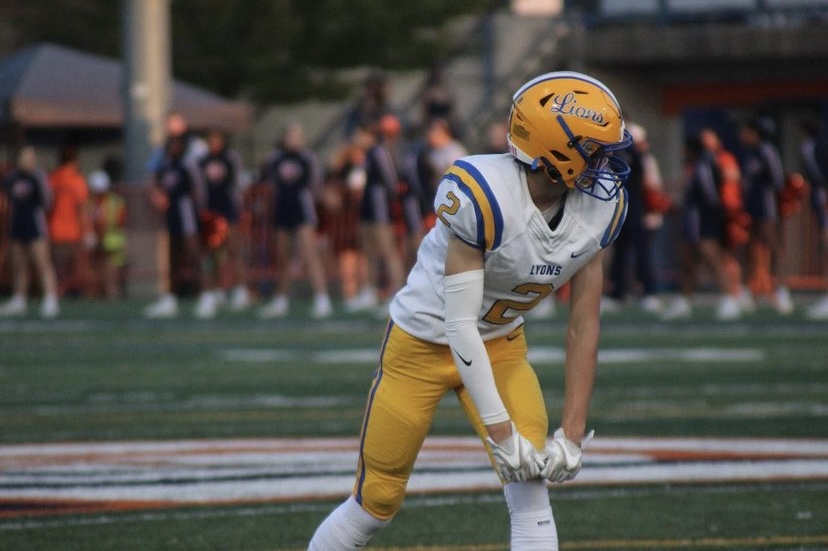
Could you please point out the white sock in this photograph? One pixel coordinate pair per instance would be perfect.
(347, 528)
(533, 526)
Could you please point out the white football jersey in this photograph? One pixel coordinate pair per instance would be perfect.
(484, 200)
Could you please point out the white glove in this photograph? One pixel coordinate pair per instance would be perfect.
(564, 457)
(517, 459)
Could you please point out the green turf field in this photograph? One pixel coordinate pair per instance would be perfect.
(100, 373)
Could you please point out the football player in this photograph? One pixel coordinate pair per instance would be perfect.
(511, 229)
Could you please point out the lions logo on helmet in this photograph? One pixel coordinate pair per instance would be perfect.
(569, 124)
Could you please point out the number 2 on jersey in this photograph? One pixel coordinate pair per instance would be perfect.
(448, 209)
(497, 314)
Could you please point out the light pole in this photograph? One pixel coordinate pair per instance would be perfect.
(146, 98)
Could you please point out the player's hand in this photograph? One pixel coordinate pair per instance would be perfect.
(563, 457)
(516, 458)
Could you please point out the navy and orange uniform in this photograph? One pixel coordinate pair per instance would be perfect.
(763, 179)
(295, 177)
(29, 199)
(483, 200)
(221, 172)
(414, 199)
(181, 183)
(380, 185)
(704, 214)
(814, 152)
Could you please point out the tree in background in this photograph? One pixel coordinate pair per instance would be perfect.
(264, 50)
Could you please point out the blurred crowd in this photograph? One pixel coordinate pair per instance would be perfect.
(731, 213)
(238, 237)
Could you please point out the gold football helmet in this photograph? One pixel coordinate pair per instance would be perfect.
(570, 125)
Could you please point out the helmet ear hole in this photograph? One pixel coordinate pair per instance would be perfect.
(560, 156)
(552, 170)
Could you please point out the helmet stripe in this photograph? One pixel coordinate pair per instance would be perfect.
(564, 74)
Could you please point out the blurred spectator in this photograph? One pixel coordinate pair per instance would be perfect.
(633, 247)
(108, 217)
(377, 228)
(703, 222)
(737, 221)
(372, 104)
(177, 127)
(405, 157)
(222, 172)
(814, 152)
(443, 150)
(764, 179)
(29, 197)
(437, 98)
(294, 172)
(496, 138)
(341, 201)
(440, 151)
(177, 192)
(69, 223)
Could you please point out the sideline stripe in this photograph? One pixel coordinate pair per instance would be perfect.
(41, 479)
(323, 506)
(538, 354)
(685, 543)
(729, 543)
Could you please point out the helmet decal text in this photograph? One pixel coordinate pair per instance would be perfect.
(567, 104)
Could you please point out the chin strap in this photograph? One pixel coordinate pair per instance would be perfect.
(550, 170)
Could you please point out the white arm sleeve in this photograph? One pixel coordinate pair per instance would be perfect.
(464, 298)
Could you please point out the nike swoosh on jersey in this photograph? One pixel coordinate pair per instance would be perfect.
(581, 253)
(462, 359)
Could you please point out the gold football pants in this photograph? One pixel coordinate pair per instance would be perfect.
(412, 378)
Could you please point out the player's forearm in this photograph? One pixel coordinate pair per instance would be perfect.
(581, 352)
(463, 286)
(582, 337)
(499, 431)
(464, 292)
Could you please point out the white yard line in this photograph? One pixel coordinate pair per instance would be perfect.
(272, 470)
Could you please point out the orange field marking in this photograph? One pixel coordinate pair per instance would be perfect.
(79, 478)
